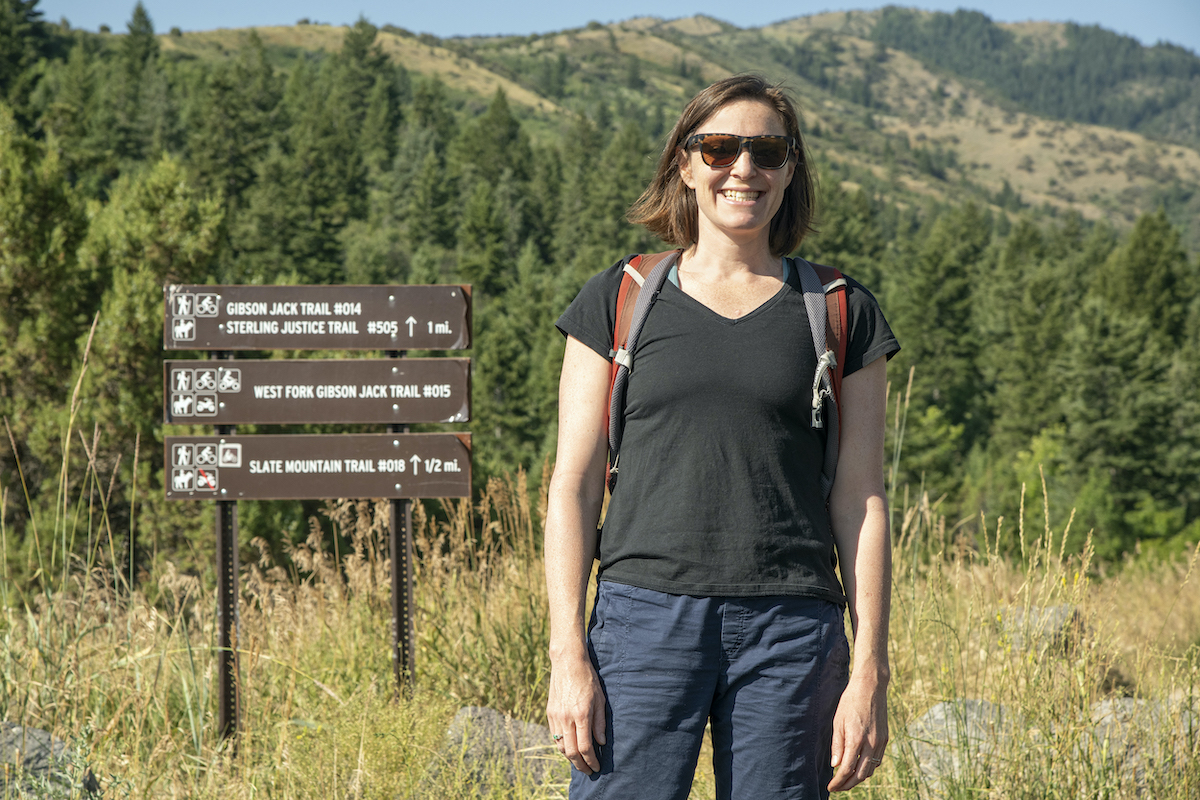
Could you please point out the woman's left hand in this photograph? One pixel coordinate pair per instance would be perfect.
(858, 510)
(860, 732)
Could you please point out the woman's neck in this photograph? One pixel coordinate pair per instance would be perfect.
(721, 258)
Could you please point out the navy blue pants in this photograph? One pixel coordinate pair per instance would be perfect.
(767, 671)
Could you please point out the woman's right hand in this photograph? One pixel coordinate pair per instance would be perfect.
(576, 706)
(576, 711)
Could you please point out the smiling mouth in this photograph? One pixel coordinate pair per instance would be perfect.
(732, 194)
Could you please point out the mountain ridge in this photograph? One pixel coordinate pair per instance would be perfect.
(905, 124)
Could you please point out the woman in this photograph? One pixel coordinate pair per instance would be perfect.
(717, 598)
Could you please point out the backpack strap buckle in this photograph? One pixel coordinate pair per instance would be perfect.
(822, 386)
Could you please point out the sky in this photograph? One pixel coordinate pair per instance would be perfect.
(1150, 21)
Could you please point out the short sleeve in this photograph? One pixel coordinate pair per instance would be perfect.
(870, 334)
(592, 314)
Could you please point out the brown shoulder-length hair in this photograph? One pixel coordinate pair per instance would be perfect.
(668, 207)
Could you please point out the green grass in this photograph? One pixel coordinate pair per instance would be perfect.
(128, 677)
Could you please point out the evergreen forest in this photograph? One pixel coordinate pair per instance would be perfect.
(1022, 201)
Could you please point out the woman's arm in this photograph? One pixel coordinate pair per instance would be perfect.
(576, 705)
(858, 509)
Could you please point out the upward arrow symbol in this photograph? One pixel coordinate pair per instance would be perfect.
(410, 322)
(416, 463)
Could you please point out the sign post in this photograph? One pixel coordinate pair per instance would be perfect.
(228, 627)
(401, 547)
(395, 391)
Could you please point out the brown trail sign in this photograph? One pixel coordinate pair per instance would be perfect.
(317, 317)
(314, 466)
(294, 391)
(224, 392)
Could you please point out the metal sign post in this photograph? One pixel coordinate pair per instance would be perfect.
(400, 545)
(229, 713)
(228, 673)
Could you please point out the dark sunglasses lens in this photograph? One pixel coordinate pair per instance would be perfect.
(719, 151)
(769, 153)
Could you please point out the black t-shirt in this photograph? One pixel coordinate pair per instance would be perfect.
(720, 491)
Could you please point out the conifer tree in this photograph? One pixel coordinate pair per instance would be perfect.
(930, 291)
(24, 39)
(156, 229)
(429, 219)
(482, 260)
(46, 300)
(510, 412)
(317, 184)
(492, 143)
(1025, 305)
(140, 45)
(1148, 275)
(1119, 409)
(137, 63)
(237, 118)
(431, 111)
(847, 234)
(77, 107)
(380, 126)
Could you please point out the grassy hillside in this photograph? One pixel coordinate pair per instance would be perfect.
(130, 682)
(908, 124)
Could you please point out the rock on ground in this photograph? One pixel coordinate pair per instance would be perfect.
(1040, 629)
(955, 740)
(1142, 739)
(496, 751)
(44, 766)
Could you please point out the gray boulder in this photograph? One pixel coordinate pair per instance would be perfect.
(954, 742)
(496, 752)
(1041, 629)
(42, 765)
(1144, 741)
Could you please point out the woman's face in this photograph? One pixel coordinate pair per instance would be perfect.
(737, 202)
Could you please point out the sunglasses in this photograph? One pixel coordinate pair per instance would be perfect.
(720, 150)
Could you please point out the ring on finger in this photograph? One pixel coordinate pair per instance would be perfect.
(876, 761)
(558, 737)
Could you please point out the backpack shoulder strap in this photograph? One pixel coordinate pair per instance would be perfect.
(640, 284)
(824, 291)
(837, 322)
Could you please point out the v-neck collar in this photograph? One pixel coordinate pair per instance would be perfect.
(788, 273)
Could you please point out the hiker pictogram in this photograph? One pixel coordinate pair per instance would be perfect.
(183, 380)
(182, 455)
(183, 305)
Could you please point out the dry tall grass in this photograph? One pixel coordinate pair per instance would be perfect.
(131, 684)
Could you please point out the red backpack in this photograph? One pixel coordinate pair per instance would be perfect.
(824, 291)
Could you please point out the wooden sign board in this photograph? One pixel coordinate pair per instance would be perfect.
(295, 391)
(436, 317)
(314, 467)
